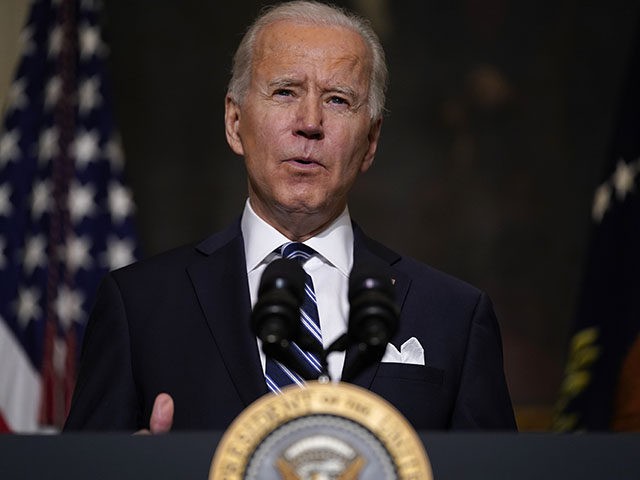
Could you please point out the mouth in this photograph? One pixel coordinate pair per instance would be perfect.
(304, 162)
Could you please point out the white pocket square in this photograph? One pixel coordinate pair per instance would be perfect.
(411, 352)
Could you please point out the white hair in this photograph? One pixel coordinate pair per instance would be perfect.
(314, 13)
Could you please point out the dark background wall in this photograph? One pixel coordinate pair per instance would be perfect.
(499, 115)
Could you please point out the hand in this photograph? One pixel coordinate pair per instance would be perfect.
(161, 416)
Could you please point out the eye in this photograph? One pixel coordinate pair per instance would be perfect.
(336, 100)
(283, 92)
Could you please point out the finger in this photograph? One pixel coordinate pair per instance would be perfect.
(162, 414)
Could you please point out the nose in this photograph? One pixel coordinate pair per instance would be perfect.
(309, 122)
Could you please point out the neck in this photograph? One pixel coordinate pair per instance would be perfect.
(297, 226)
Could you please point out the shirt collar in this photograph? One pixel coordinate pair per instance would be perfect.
(334, 243)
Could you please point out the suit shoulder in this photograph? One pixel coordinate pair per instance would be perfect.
(419, 273)
(422, 272)
(170, 262)
(438, 284)
(157, 267)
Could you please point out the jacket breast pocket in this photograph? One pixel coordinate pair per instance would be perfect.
(411, 372)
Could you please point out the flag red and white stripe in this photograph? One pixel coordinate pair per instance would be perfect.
(65, 215)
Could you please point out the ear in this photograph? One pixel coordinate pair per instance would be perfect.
(232, 125)
(374, 136)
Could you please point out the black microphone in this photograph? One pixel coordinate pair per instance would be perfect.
(275, 318)
(373, 316)
(276, 314)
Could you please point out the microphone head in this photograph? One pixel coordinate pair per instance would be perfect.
(366, 277)
(283, 274)
(373, 317)
(275, 317)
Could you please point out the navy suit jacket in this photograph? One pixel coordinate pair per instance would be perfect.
(179, 323)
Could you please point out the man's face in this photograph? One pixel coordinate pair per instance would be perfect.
(304, 126)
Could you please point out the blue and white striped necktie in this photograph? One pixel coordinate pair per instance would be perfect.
(278, 375)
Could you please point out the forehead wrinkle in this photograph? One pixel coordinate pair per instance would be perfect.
(271, 40)
(341, 73)
(290, 58)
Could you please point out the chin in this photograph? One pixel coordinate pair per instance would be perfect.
(303, 206)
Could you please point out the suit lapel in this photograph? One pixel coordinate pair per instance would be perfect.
(220, 283)
(368, 251)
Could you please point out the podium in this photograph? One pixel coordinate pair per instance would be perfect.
(453, 456)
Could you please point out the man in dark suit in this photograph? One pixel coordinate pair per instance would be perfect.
(169, 342)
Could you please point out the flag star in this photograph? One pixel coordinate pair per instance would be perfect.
(77, 253)
(27, 307)
(56, 37)
(120, 202)
(90, 43)
(16, 97)
(81, 201)
(601, 202)
(9, 149)
(53, 90)
(85, 148)
(3, 257)
(114, 153)
(34, 254)
(26, 41)
(48, 145)
(89, 95)
(623, 179)
(68, 306)
(119, 253)
(40, 199)
(5, 200)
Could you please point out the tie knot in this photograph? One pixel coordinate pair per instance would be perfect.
(297, 251)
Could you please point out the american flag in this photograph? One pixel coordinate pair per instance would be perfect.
(601, 388)
(65, 215)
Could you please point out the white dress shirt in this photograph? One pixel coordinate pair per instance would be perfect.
(329, 271)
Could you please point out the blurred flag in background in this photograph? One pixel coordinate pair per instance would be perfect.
(65, 216)
(601, 389)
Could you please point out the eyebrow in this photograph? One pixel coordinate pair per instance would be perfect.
(284, 82)
(347, 91)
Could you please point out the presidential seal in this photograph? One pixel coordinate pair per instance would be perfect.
(317, 432)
